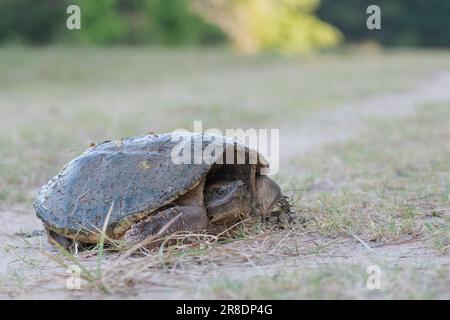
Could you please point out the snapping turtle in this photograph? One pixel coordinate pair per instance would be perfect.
(146, 192)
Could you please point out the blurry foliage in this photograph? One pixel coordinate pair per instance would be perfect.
(286, 25)
(31, 21)
(173, 22)
(105, 22)
(252, 25)
(101, 22)
(168, 22)
(403, 22)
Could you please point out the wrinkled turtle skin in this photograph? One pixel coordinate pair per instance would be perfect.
(134, 176)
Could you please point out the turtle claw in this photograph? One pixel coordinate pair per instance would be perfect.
(272, 220)
(285, 217)
(279, 218)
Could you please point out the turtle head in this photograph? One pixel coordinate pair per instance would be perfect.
(231, 201)
(227, 201)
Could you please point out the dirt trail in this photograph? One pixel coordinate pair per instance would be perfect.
(346, 121)
(332, 127)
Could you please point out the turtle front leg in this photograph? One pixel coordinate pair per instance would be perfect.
(189, 214)
(59, 240)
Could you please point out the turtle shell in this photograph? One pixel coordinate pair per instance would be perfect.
(131, 178)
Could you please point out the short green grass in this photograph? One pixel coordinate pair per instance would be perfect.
(386, 184)
(56, 101)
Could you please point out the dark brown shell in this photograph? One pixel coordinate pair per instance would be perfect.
(135, 176)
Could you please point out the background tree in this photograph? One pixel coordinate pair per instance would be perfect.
(253, 25)
(101, 22)
(35, 22)
(404, 22)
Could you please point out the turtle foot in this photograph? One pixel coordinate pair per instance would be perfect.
(179, 218)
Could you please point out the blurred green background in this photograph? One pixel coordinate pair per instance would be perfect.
(251, 25)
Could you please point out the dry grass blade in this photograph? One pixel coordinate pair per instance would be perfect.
(355, 236)
(232, 227)
(152, 238)
(280, 242)
(84, 274)
(102, 241)
(178, 236)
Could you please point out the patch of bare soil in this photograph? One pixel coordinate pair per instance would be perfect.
(172, 277)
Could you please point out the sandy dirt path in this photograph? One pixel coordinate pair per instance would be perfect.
(344, 122)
